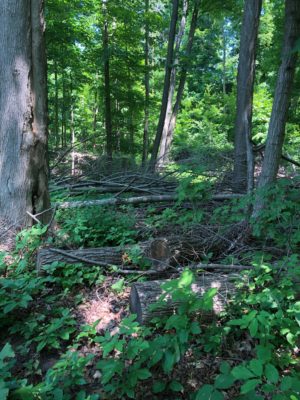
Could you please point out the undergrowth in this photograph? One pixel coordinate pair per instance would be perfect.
(251, 350)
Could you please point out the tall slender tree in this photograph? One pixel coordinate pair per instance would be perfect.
(23, 107)
(285, 78)
(243, 155)
(167, 80)
(108, 118)
(181, 85)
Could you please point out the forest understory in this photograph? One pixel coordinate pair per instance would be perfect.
(226, 321)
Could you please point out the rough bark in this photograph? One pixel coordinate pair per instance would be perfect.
(282, 95)
(160, 252)
(145, 294)
(182, 80)
(169, 62)
(23, 108)
(243, 158)
(168, 116)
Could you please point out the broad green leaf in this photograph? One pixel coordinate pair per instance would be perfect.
(186, 279)
(169, 361)
(225, 368)
(224, 381)
(216, 395)
(143, 373)
(176, 386)
(241, 372)
(253, 327)
(4, 394)
(118, 286)
(286, 383)
(256, 367)
(6, 352)
(158, 386)
(205, 392)
(271, 373)
(264, 353)
(250, 385)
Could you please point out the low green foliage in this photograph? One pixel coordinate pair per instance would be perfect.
(94, 226)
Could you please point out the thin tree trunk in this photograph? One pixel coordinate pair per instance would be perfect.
(182, 80)
(243, 157)
(23, 108)
(282, 96)
(162, 149)
(147, 86)
(56, 122)
(169, 61)
(108, 120)
(224, 59)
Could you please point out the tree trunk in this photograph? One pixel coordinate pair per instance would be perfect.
(56, 121)
(108, 120)
(23, 108)
(182, 80)
(282, 95)
(162, 149)
(147, 86)
(169, 62)
(243, 158)
(145, 294)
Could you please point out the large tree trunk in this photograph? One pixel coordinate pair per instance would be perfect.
(23, 109)
(163, 142)
(169, 62)
(282, 95)
(145, 294)
(243, 159)
(182, 80)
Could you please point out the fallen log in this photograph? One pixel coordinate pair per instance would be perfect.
(144, 294)
(156, 252)
(138, 200)
(160, 253)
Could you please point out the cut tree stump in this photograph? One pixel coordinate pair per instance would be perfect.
(145, 294)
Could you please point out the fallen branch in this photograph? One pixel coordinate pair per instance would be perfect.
(137, 200)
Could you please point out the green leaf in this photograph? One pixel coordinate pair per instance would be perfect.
(118, 286)
(205, 392)
(253, 327)
(169, 361)
(271, 373)
(250, 385)
(6, 352)
(264, 353)
(225, 368)
(224, 381)
(4, 394)
(143, 373)
(176, 386)
(186, 279)
(241, 372)
(216, 395)
(286, 383)
(195, 328)
(158, 386)
(256, 367)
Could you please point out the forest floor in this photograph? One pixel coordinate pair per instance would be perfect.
(62, 323)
